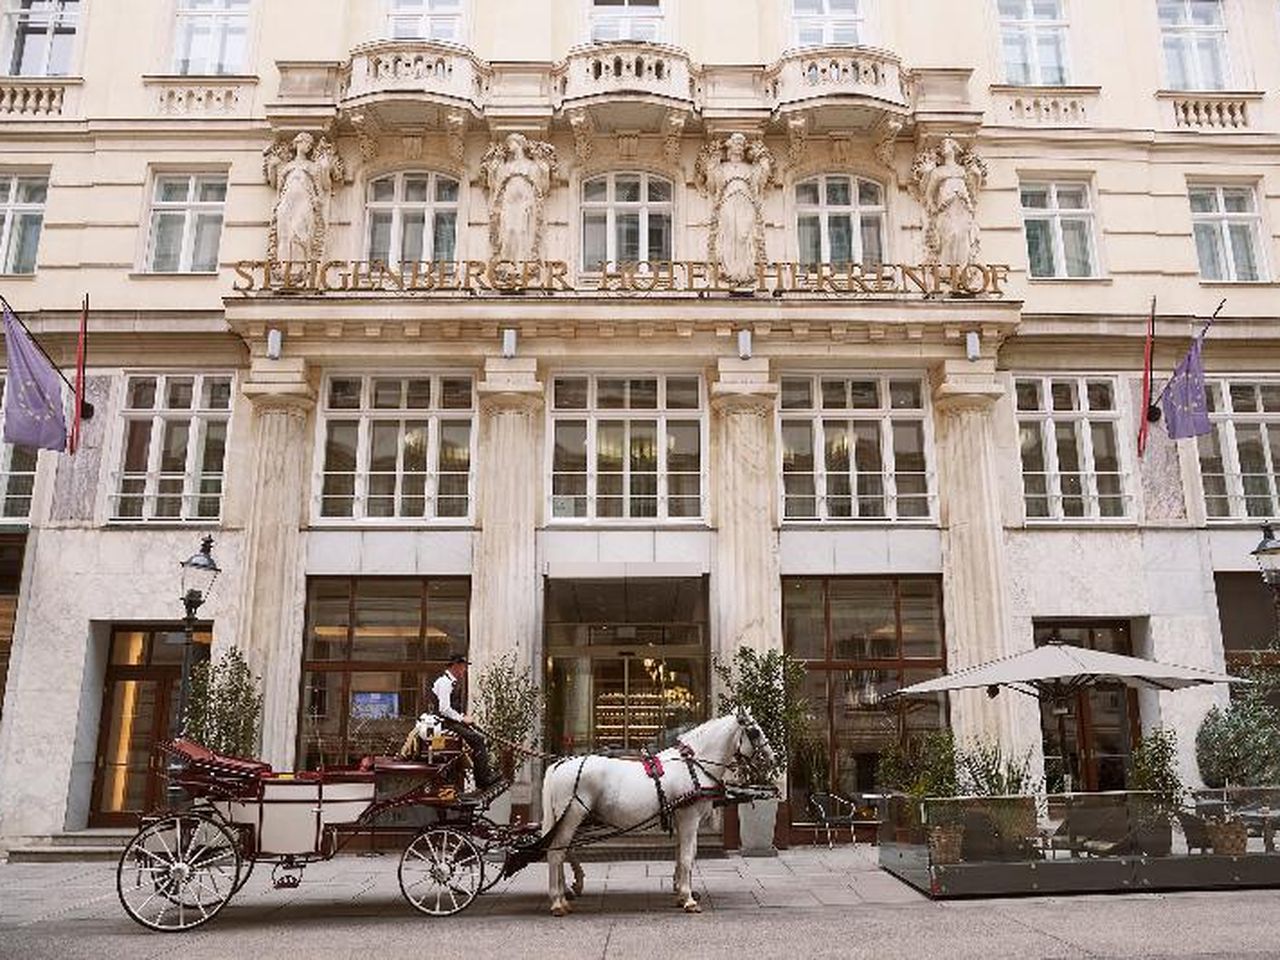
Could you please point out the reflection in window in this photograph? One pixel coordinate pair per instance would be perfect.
(839, 220)
(626, 218)
(40, 37)
(413, 217)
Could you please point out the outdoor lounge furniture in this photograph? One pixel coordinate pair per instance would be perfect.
(831, 810)
(1091, 829)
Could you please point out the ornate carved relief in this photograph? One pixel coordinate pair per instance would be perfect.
(946, 180)
(735, 173)
(583, 135)
(304, 183)
(628, 142)
(797, 127)
(672, 135)
(517, 175)
(455, 132)
(887, 134)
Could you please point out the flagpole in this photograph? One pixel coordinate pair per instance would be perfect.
(45, 353)
(1155, 402)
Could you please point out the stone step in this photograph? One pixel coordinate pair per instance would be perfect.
(50, 853)
(105, 836)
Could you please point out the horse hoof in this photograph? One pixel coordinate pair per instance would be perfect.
(571, 894)
(693, 907)
(559, 909)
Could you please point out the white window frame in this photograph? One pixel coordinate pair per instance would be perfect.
(1054, 213)
(594, 415)
(424, 17)
(1223, 221)
(1047, 419)
(855, 209)
(192, 209)
(629, 18)
(220, 19)
(1030, 27)
(57, 19)
(17, 465)
(10, 210)
(612, 207)
(365, 416)
(1227, 422)
(828, 22)
(399, 206)
(197, 418)
(885, 415)
(1189, 35)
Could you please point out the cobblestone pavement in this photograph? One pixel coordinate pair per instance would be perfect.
(804, 903)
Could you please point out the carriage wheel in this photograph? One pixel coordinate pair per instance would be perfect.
(178, 872)
(441, 872)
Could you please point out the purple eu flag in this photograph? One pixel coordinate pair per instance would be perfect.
(33, 415)
(1186, 412)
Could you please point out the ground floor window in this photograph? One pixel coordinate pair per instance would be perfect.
(372, 649)
(862, 638)
(1248, 615)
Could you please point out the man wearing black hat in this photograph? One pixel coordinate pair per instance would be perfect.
(461, 723)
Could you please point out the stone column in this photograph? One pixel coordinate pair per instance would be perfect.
(747, 586)
(274, 578)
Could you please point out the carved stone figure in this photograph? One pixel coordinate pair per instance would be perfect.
(946, 181)
(304, 183)
(517, 174)
(735, 174)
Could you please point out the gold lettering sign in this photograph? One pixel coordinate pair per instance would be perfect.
(645, 277)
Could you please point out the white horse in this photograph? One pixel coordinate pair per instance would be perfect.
(619, 794)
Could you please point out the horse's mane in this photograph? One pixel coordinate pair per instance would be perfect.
(705, 735)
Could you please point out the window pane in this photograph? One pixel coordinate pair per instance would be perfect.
(682, 393)
(380, 236)
(413, 224)
(809, 235)
(166, 241)
(807, 193)
(444, 237)
(24, 242)
(1029, 395)
(1040, 248)
(204, 256)
(595, 239)
(628, 237)
(1242, 251)
(1053, 65)
(1204, 201)
(1017, 56)
(838, 191)
(872, 240)
(455, 393)
(796, 393)
(659, 237)
(841, 238)
(627, 189)
(1209, 251)
(1076, 248)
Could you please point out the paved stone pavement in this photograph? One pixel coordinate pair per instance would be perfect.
(804, 903)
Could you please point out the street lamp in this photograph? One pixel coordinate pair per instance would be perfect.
(199, 571)
(1267, 554)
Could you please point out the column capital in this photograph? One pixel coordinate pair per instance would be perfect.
(510, 384)
(280, 386)
(743, 386)
(965, 385)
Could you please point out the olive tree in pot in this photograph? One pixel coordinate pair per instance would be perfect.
(509, 708)
(224, 706)
(1153, 775)
(769, 685)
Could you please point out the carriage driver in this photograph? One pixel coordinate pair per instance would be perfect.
(461, 723)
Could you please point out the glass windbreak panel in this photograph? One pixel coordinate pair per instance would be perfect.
(863, 619)
(388, 621)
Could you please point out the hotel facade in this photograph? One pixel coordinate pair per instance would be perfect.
(615, 334)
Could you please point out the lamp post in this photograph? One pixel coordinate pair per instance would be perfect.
(199, 571)
(1267, 554)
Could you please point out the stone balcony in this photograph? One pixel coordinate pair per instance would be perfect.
(219, 97)
(839, 87)
(1035, 106)
(1210, 111)
(627, 85)
(39, 98)
(391, 76)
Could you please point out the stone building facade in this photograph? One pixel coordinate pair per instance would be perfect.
(616, 335)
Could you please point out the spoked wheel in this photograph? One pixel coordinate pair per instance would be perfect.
(441, 872)
(178, 872)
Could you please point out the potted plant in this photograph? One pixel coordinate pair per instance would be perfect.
(769, 685)
(1153, 774)
(509, 707)
(923, 769)
(224, 706)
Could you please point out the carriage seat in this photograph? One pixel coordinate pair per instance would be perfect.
(198, 753)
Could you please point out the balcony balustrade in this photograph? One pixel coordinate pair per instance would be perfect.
(611, 69)
(439, 71)
(37, 98)
(807, 77)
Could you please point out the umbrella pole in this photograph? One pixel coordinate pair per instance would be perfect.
(1060, 708)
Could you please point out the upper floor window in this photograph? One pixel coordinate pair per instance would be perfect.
(40, 36)
(186, 223)
(824, 22)
(426, 20)
(1033, 35)
(1240, 458)
(397, 447)
(17, 474)
(840, 219)
(1227, 228)
(627, 447)
(413, 217)
(1194, 36)
(626, 218)
(855, 448)
(1067, 428)
(1058, 221)
(211, 37)
(21, 220)
(175, 445)
(626, 20)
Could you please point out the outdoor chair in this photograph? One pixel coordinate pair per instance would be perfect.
(833, 811)
(1196, 831)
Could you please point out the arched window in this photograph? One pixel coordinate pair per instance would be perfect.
(412, 217)
(840, 219)
(626, 218)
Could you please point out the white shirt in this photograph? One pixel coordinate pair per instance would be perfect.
(443, 689)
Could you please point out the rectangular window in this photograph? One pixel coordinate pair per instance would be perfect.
(1068, 430)
(856, 448)
(426, 20)
(186, 223)
(397, 447)
(173, 456)
(17, 475)
(22, 200)
(627, 448)
(1058, 221)
(1194, 36)
(211, 37)
(626, 20)
(1227, 229)
(40, 37)
(1240, 459)
(1033, 36)
(828, 22)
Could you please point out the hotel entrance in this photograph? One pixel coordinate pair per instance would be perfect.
(626, 662)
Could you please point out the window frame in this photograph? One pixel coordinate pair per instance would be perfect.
(11, 209)
(56, 19)
(426, 18)
(1054, 213)
(1189, 35)
(612, 207)
(854, 209)
(398, 207)
(828, 23)
(1030, 28)
(191, 208)
(220, 19)
(1226, 420)
(9, 474)
(628, 14)
(1223, 220)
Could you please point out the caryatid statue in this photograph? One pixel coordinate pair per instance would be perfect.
(946, 180)
(304, 175)
(517, 175)
(734, 173)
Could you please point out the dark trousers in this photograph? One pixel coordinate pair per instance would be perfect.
(479, 750)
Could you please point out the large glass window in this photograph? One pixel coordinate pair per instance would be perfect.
(862, 638)
(372, 649)
(1058, 221)
(426, 20)
(1227, 228)
(397, 447)
(626, 20)
(626, 218)
(22, 200)
(17, 474)
(1071, 464)
(828, 22)
(210, 37)
(173, 459)
(1247, 615)
(627, 447)
(855, 448)
(840, 219)
(1194, 36)
(1033, 36)
(1240, 457)
(413, 217)
(186, 223)
(40, 36)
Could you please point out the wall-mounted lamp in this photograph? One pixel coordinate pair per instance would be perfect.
(972, 345)
(744, 344)
(508, 344)
(275, 343)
